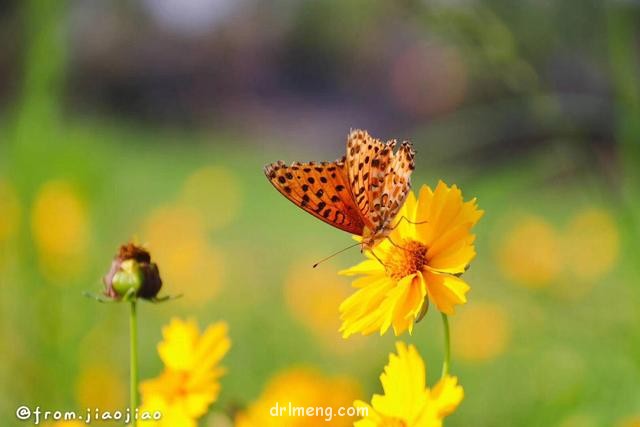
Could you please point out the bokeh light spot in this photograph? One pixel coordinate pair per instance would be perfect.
(629, 422)
(592, 244)
(99, 386)
(313, 296)
(302, 387)
(480, 332)
(189, 264)
(215, 192)
(61, 230)
(530, 252)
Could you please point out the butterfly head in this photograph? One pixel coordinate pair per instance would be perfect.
(371, 238)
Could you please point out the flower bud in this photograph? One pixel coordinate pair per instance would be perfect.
(132, 273)
(127, 279)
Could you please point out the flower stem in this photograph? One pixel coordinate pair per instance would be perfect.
(446, 363)
(133, 361)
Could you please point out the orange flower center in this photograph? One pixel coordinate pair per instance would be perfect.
(408, 257)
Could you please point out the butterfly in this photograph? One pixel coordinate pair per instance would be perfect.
(360, 193)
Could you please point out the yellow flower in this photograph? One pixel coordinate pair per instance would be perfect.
(302, 388)
(420, 261)
(189, 383)
(407, 402)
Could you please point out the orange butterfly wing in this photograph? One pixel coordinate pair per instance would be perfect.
(366, 188)
(380, 179)
(322, 189)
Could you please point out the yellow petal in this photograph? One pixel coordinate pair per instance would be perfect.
(403, 381)
(213, 345)
(369, 266)
(363, 282)
(373, 419)
(446, 291)
(360, 313)
(394, 302)
(446, 395)
(189, 384)
(173, 414)
(404, 223)
(408, 298)
(176, 350)
(435, 209)
(410, 205)
(443, 209)
(453, 251)
(196, 404)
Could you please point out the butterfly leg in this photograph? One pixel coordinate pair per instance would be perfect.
(376, 257)
(409, 221)
(395, 244)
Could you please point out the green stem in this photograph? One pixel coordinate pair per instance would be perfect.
(624, 63)
(446, 363)
(133, 361)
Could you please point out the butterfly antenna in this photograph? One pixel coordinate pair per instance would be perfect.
(332, 255)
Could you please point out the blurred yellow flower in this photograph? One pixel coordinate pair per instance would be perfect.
(422, 261)
(481, 332)
(535, 254)
(190, 264)
(189, 383)
(312, 296)
(100, 386)
(591, 244)
(301, 387)
(406, 401)
(629, 422)
(530, 252)
(72, 423)
(60, 226)
(215, 192)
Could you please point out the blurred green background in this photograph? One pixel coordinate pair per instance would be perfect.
(151, 120)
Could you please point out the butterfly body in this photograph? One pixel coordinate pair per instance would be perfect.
(360, 193)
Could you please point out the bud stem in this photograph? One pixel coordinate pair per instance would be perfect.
(446, 363)
(133, 361)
